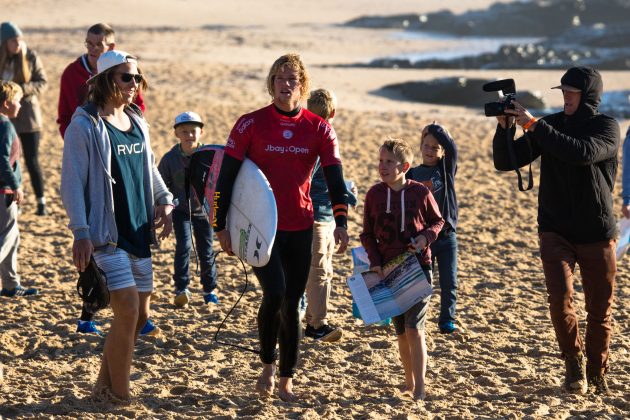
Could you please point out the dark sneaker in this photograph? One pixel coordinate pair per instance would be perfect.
(575, 375)
(149, 329)
(448, 327)
(41, 210)
(210, 298)
(326, 333)
(18, 291)
(88, 327)
(597, 384)
(182, 298)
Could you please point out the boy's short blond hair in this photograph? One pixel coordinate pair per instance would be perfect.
(322, 102)
(400, 149)
(9, 91)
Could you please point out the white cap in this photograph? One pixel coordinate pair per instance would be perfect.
(111, 59)
(188, 117)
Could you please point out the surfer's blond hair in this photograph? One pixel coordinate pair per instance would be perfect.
(322, 102)
(293, 61)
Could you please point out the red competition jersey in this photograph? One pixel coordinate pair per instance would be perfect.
(285, 149)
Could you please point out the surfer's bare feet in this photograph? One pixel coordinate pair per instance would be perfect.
(266, 380)
(419, 393)
(409, 386)
(285, 390)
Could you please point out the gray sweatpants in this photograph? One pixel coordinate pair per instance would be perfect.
(9, 242)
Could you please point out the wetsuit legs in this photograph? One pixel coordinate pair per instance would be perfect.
(283, 281)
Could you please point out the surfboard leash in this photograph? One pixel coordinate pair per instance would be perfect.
(216, 334)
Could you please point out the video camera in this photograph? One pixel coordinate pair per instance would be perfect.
(493, 109)
(508, 88)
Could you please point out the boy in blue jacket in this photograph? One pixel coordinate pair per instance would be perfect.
(11, 194)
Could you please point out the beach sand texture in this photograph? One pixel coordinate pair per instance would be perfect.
(505, 362)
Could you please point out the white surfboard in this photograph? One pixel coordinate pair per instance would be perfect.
(252, 218)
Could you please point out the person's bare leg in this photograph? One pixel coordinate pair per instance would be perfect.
(267, 379)
(118, 350)
(143, 312)
(285, 390)
(418, 354)
(103, 381)
(405, 358)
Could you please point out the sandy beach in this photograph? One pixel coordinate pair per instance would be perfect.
(213, 58)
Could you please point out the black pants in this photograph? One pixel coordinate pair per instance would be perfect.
(283, 281)
(30, 148)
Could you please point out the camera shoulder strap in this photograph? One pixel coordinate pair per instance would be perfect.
(514, 163)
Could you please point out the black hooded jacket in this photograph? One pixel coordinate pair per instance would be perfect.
(578, 165)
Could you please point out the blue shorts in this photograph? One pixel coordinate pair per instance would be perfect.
(125, 270)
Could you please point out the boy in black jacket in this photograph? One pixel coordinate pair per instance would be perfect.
(576, 224)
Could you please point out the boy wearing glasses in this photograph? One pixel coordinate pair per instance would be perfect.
(189, 218)
(73, 89)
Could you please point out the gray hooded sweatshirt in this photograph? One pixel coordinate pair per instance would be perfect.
(86, 181)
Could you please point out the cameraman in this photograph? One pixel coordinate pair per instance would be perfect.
(578, 151)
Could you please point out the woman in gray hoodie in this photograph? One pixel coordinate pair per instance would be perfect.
(116, 200)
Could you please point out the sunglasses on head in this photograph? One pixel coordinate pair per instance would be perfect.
(128, 77)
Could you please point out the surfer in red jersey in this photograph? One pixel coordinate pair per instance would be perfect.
(284, 140)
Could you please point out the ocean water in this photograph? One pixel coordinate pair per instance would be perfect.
(453, 46)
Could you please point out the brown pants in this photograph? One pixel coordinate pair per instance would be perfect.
(598, 266)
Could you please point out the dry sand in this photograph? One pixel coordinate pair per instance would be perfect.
(504, 363)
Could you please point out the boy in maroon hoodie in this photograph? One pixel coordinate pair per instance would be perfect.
(401, 215)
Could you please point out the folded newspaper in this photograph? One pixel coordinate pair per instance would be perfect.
(404, 285)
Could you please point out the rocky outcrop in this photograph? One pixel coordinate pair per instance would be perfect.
(616, 104)
(468, 92)
(460, 91)
(603, 47)
(531, 18)
(585, 32)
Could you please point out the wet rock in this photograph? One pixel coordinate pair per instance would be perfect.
(616, 104)
(589, 32)
(600, 46)
(460, 91)
(531, 18)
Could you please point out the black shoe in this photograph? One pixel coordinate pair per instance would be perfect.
(326, 333)
(597, 384)
(41, 210)
(575, 376)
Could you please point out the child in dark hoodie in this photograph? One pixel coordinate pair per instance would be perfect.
(402, 214)
(437, 173)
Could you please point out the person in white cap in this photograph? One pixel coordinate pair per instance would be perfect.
(189, 218)
(116, 201)
(73, 91)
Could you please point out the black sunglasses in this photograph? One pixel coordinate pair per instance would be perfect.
(128, 77)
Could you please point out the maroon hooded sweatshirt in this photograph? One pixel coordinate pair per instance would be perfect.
(391, 218)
